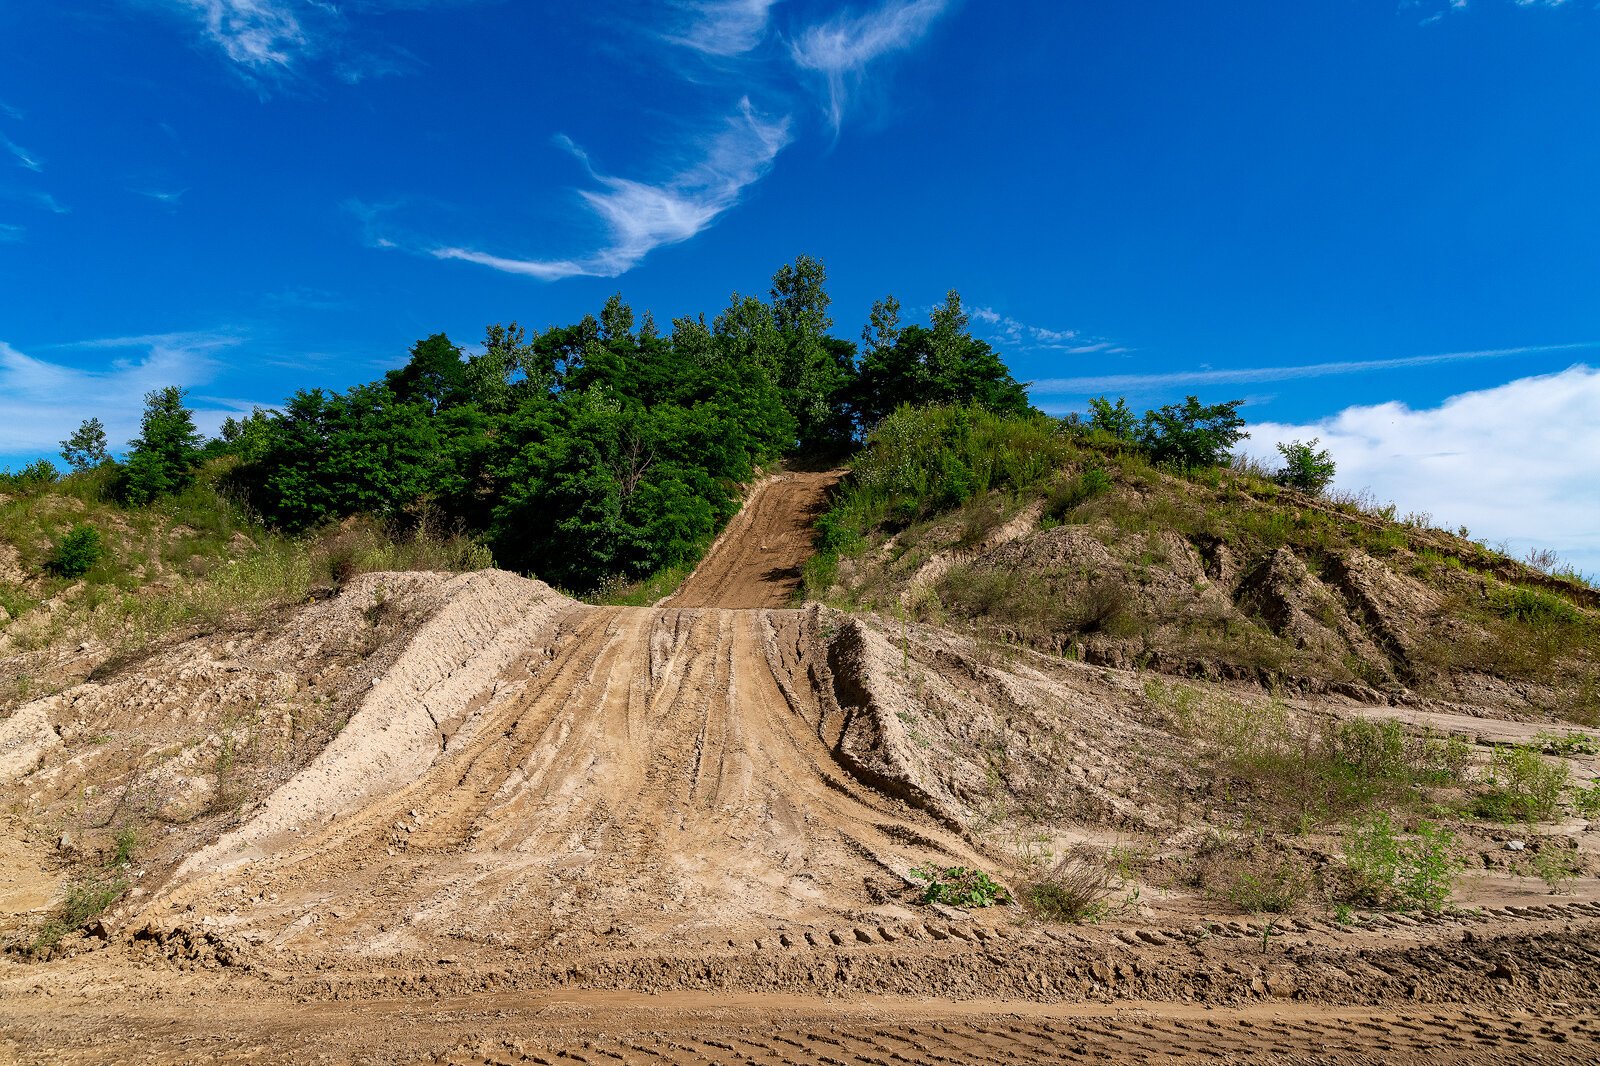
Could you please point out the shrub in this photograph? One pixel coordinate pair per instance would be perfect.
(1532, 606)
(1077, 491)
(1075, 890)
(1276, 890)
(960, 886)
(76, 553)
(1556, 867)
(1587, 801)
(1524, 787)
(1387, 871)
(1304, 467)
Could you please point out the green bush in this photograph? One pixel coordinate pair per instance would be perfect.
(1533, 606)
(1522, 786)
(1077, 491)
(1277, 890)
(1304, 467)
(959, 886)
(76, 553)
(1388, 871)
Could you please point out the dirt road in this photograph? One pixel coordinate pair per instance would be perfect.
(756, 562)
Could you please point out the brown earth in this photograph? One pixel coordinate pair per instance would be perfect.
(465, 819)
(756, 562)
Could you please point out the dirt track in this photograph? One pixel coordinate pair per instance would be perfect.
(756, 562)
(555, 832)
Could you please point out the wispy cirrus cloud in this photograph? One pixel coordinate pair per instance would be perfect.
(259, 35)
(169, 197)
(1095, 384)
(10, 234)
(724, 27)
(840, 49)
(1024, 337)
(1436, 10)
(23, 157)
(1471, 460)
(42, 401)
(639, 217)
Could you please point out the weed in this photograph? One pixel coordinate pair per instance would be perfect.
(1388, 871)
(1586, 801)
(124, 844)
(1557, 867)
(960, 886)
(1277, 890)
(1567, 744)
(1523, 786)
(1075, 890)
(85, 900)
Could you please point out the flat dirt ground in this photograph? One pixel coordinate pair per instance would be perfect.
(614, 835)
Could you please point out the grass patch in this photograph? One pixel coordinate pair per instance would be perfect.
(1076, 889)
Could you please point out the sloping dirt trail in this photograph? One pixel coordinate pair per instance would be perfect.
(757, 560)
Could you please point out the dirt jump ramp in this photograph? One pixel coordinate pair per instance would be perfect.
(535, 771)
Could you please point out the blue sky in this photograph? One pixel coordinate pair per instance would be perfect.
(1348, 212)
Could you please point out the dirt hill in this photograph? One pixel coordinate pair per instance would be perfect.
(464, 818)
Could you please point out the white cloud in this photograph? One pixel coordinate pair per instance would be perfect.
(1094, 385)
(1021, 336)
(10, 233)
(1519, 462)
(841, 48)
(170, 197)
(725, 27)
(640, 217)
(257, 34)
(42, 402)
(24, 157)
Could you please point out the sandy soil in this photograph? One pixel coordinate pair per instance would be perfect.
(551, 832)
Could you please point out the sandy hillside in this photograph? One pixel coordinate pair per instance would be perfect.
(466, 819)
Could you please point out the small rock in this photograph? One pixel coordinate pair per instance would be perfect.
(1515, 845)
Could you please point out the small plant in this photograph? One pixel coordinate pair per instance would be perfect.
(1077, 491)
(1075, 890)
(1523, 786)
(1532, 606)
(76, 553)
(124, 844)
(1586, 801)
(84, 901)
(1275, 891)
(1567, 744)
(1386, 870)
(1557, 867)
(959, 886)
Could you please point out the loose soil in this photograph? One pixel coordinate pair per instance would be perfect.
(473, 821)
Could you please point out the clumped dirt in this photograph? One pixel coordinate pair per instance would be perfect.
(465, 819)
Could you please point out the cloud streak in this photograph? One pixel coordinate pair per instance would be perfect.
(639, 217)
(260, 35)
(24, 157)
(1095, 384)
(725, 27)
(1024, 337)
(1519, 462)
(841, 48)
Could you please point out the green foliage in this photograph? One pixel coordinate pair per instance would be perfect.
(942, 364)
(1586, 801)
(1533, 606)
(77, 552)
(86, 448)
(1522, 786)
(1556, 866)
(124, 843)
(1074, 492)
(1305, 467)
(1116, 420)
(1191, 434)
(85, 900)
(163, 458)
(960, 886)
(39, 474)
(1387, 870)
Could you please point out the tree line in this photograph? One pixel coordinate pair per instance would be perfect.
(608, 448)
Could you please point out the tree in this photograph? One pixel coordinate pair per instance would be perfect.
(1116, 420)
(938, 364)
(163, 458)
(1190, 434)
(1304, 466)
(86, 448)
